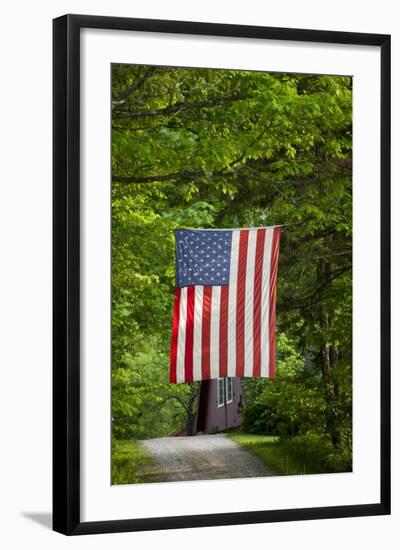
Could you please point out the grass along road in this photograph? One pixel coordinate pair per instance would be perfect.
(268, 449)
(131, 463)
(296, 455)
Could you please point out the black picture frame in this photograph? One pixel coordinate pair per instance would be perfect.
(66, 273)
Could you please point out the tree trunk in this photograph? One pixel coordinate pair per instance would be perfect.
(328, 359)
(329, 356)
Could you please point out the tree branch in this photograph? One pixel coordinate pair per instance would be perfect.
(304, 303)
(135, 86)
(178, 107)
(166, 177)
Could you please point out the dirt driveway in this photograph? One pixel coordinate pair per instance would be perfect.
(203, 457)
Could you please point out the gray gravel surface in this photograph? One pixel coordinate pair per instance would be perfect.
(203, 457)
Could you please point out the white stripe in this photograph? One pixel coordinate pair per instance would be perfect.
(265, 303)
(214, 331)
(249, 304)
(232, 303)
(198, 315)
(180, 359)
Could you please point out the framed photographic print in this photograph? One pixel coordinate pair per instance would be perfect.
(221, 274)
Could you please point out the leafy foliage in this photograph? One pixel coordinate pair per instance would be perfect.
(291, 404)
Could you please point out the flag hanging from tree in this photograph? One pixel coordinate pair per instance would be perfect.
(225, 300)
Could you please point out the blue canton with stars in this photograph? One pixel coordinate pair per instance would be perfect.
(202, 257)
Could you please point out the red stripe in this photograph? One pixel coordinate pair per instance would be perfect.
(272, 298)
(258, 270)
(205, 333)
(240, 301)
(223, 331)
(174, 339)
(189, 335)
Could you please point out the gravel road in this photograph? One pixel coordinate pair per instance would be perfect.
(203, 457)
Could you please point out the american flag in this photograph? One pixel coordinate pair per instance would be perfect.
(225, 299)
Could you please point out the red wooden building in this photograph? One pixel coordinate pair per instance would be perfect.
(219, 406)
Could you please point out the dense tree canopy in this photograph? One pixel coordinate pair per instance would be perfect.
(227, 148)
